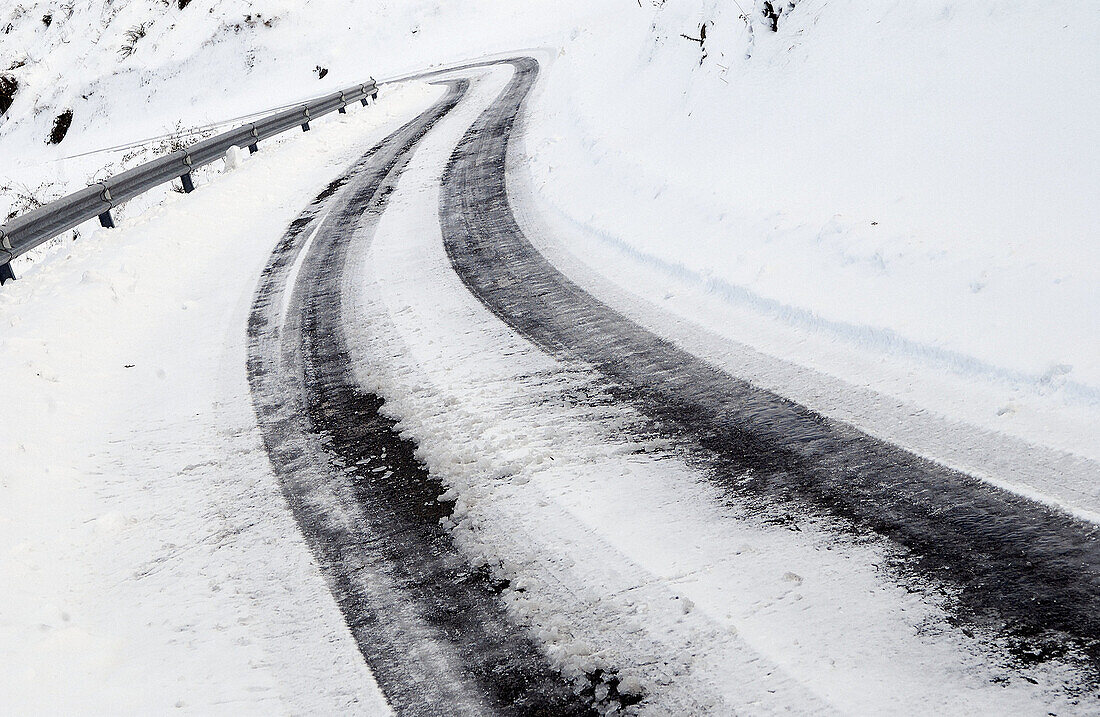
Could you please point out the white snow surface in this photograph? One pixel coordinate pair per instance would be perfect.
(899, 194)
(884, 210)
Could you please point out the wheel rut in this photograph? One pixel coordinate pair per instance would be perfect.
(1030, 572)
(431, 627)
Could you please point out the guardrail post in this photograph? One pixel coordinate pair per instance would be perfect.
(105, 219)
(364, 101)
(343, 104)
(6, 274)
(255, 146)
(305, 125)
(185, 178)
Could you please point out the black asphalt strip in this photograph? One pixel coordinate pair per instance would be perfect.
(432, 629)
(1026, 570)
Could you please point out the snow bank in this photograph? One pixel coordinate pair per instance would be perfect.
(914, 180)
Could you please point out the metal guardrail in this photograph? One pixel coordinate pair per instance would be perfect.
(25, 232)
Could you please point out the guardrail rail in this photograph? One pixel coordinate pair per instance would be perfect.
(26, 231)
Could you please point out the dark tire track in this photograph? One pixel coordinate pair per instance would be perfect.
(1016, 565)
(431, 628)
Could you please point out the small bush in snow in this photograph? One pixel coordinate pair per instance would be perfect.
(61, 127)
(132, 36)
(8, 87)
(771, 15)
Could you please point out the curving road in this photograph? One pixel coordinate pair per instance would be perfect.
(1028, 564)
(426, 622)
(431, 627)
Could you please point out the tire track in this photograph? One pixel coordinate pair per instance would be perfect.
(431, 628)
(1022, 568)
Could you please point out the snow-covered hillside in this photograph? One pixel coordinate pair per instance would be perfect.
(909, 181)
(129, 70)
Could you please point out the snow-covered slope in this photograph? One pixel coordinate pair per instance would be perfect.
(904, 188)
(134, 69)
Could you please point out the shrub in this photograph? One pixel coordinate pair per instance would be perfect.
(23, 198)
(8, 87)
(132, 36)
(61, 127)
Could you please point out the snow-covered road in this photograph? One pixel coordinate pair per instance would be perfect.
(527, 489)
(578, 458)
(758, 444)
